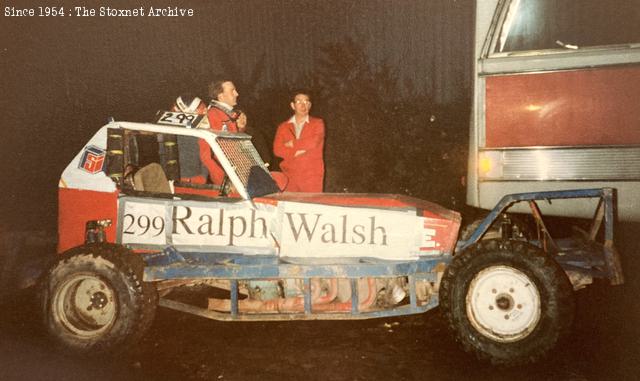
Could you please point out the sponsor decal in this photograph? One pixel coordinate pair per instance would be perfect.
(320, 229)
(312, 230)
(195, 225)
(302, 230)
(143, 223)
(92, 159)
(220, 227)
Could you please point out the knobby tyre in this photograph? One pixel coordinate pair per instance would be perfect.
(94, 300)
(506, 301)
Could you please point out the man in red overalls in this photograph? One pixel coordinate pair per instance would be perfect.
(222, 117)
(300, 142)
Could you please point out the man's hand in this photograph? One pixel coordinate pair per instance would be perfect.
(241, 122)
(300, 152)
(289, 144)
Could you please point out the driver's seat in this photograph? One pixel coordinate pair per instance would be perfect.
(151, 178)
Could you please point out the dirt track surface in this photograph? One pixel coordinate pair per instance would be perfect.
(605, 345)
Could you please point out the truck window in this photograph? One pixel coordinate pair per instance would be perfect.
(558, 24)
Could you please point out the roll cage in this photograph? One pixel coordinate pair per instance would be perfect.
(234, 152)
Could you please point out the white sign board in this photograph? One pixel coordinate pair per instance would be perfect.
(207, 226)
(314, 230)
(197, 224)
(297, 229)
(143, 223)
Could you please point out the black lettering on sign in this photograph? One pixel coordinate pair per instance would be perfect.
(142, 224)
(207, 225)
(127, 230)
(359, 231)
(157, 220)
(167, 117)
(182, 221)
(303, 225)
(329, 234)
(375, 228)
(232, 228)
(343, 231)
(253, 225)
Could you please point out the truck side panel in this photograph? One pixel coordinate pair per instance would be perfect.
(564, 108)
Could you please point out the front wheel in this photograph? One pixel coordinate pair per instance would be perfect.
(506, 301)
(94, 299)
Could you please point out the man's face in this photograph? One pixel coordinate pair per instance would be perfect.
(301, 105)
(229, 94)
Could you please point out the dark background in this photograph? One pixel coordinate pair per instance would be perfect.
(390, 78)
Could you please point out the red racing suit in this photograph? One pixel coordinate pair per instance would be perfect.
(219, 120)
(305, 171)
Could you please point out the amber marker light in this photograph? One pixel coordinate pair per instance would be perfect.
(484, 164)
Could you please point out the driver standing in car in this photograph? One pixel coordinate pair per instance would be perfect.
(222, 117)
(221, 113)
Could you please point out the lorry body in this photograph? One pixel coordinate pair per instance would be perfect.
(555, 102)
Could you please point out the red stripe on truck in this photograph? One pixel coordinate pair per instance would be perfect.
(567, 108)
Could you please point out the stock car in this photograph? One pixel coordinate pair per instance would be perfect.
(129, 242)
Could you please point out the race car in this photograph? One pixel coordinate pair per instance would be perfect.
(133, 235)
(128, 225)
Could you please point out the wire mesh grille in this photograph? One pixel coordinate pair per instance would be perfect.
(242, 155)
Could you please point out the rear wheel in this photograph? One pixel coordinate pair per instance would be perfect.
(94, 299)
(506, 301)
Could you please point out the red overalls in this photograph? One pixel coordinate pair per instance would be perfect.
(305, 171)
(218, 121)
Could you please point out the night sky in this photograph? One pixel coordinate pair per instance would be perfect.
(62, 77)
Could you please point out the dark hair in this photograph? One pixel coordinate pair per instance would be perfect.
(298, 92)
(215, 88)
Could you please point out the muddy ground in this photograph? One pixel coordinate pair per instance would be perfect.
(605, 345)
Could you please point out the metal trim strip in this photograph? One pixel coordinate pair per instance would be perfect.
(552, 163)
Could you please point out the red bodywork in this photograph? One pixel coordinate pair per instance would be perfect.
(599, 107)
(76, 207)
(428, 209)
